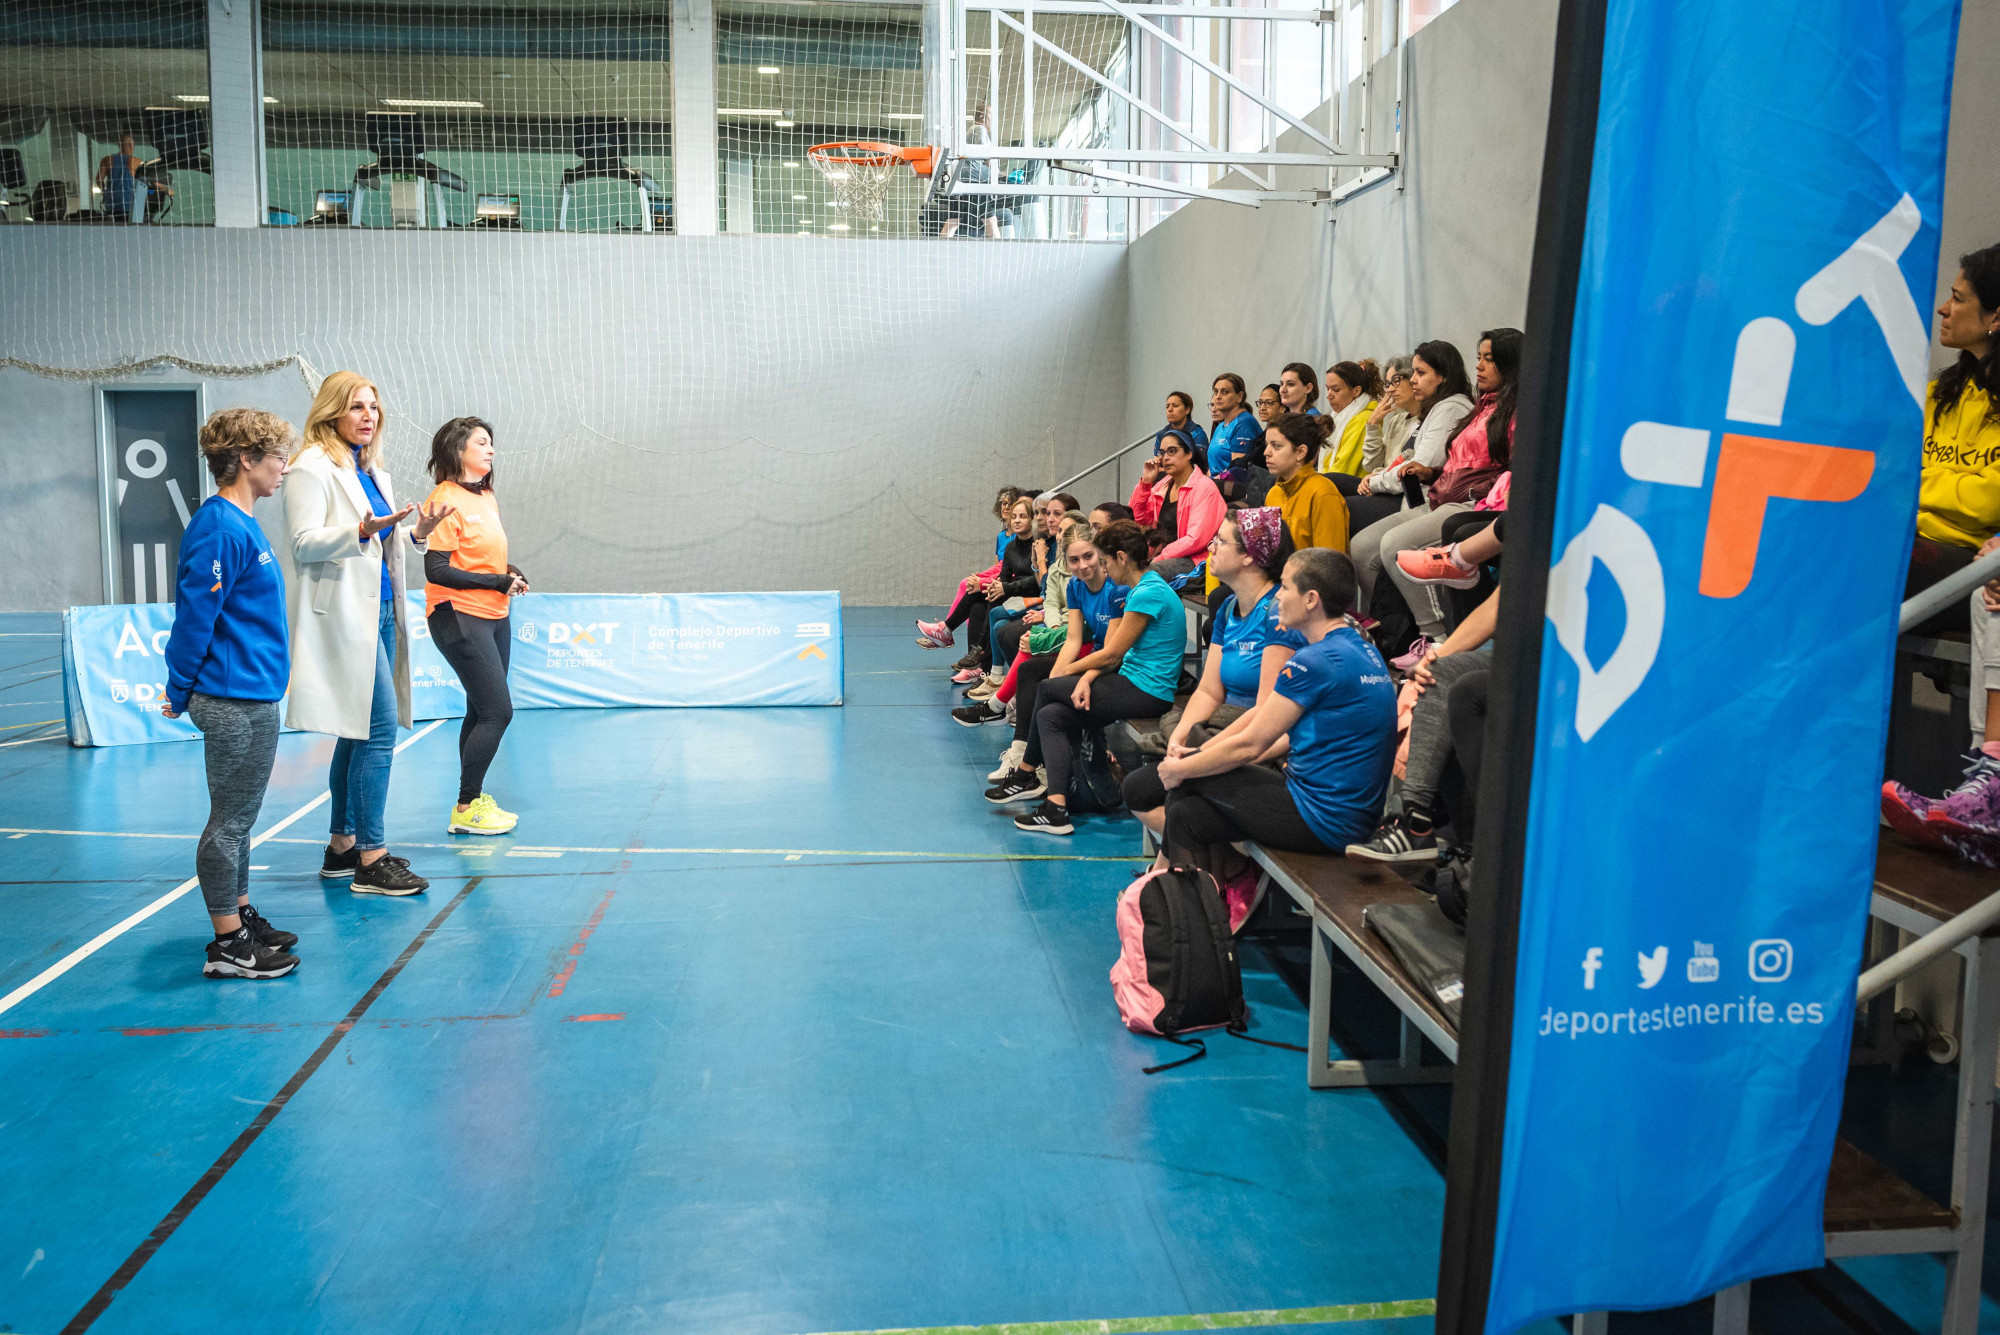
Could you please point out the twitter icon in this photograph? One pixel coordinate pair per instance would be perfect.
(1653, 967)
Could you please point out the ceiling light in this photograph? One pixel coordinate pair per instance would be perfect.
(429, 102)
(837, 227)
(904, 116)
(190, 97)
(875, 228)
(270, 101)
(748, 111)
(798, 196)
(784, 125)
(790, 164)
(979, 51)
(769, 69)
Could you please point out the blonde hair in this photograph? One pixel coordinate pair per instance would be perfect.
(336, 394)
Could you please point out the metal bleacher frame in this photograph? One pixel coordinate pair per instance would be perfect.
(1949, 907)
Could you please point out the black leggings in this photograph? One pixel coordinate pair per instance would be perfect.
(1112, 698)
(478, 650)
(1206, 815)
(1466, 707)
(1028, 680)
(1931, 562)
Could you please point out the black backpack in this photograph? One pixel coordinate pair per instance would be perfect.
(1190, 958)
(1093, 785)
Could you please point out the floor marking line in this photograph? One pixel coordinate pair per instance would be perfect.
(175, 1217)
(38, 723)
(106, 937)
(49, 736)
(551, 849)
(1289, 1316)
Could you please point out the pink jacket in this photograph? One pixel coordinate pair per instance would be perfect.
(1200, 513)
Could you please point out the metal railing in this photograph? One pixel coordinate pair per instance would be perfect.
(1949, 935)
(1110, 458)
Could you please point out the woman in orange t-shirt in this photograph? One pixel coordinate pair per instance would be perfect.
(465, 605)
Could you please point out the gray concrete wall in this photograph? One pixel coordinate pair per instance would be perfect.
(674, 413)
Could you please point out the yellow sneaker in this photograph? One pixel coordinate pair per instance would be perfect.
(480, 817)
(494, 807)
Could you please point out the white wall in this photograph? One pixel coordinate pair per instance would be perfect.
(674, 413)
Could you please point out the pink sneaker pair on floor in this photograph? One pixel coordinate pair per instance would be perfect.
(1965, 821)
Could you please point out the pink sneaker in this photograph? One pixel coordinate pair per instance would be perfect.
(1242, 893)
(1971, 810)
(965, 676)
(1905, 811)
(1418, 648)
(934, 634)
(1435, 565)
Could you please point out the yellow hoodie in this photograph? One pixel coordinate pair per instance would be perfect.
(1958, 502)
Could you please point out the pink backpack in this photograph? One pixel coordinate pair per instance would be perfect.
(1176, 970)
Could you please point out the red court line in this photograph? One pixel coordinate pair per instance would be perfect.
(618, 1016)
(561, 981)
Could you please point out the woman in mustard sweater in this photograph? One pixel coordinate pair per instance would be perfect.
(1958, 504)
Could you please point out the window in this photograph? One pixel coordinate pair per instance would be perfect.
(533, 116)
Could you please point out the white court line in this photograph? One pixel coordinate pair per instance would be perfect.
(104, 938)
(553, 850)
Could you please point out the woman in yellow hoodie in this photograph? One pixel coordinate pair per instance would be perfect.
(1958, 504)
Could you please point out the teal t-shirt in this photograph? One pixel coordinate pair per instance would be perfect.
(1153, 663)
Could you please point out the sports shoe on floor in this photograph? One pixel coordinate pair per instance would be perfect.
(388, 876)
(241, 955)
(1394, 841)
(482, 815)
(934, 634)
(261, 930)
(1906, 811)
(498, 810)
(980, 711)
(1414, 655)
(1010, 760)
(340, 866)
(965, 676)
(971, 659)
(985, 690)
(1022, 785)
(1435, 565)
(1046, 818)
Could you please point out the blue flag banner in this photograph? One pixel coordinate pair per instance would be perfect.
(1741, 444)
(570, 651)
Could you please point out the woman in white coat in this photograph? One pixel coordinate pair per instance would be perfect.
(349, 622)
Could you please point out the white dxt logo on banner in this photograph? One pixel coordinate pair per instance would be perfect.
(1750, 471)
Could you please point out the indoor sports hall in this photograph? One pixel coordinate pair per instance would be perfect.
(848, 667)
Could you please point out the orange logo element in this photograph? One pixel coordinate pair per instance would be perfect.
(213, 587)
(1751, 471)
(812, 651)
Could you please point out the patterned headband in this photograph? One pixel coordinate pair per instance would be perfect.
(1261, 531)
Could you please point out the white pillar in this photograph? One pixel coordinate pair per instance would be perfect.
(694, 117)
(236, 111)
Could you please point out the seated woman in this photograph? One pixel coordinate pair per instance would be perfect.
(1180, 419)
(1041, 629)
(1243, 659)
(1015, 578)
(938, 634)
(1351, 391)
(1411, 835)
(1092, 605)
(1387, 443)
(1132, 676)
(1333, 703)
(1958, 499)
(1314, 510)
(1108, 513)
(1179, 504)
(1233, 428)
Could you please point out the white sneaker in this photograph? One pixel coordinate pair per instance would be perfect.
(1010, 760)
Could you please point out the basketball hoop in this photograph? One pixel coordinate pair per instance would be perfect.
(858, 172)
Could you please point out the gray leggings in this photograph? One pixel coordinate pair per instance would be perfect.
(1430, 729)
(240, 740)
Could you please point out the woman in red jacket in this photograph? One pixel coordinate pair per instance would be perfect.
(1179, 505)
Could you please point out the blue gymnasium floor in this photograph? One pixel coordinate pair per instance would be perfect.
(761, 1023)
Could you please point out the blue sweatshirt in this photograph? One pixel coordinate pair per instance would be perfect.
(228, 639)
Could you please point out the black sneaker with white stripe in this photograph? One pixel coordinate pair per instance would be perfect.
(1023, 785)
(388, 875)
(1046, 818)
(241, 955)
(983, 711)
(1395, 841)
(340, 866)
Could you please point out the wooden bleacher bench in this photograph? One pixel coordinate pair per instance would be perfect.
(1869, 1209)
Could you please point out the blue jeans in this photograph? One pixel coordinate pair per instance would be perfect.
(359, 779)
(997, 616)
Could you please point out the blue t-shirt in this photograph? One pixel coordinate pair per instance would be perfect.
(1242, 641)
(1000, 543)
(1153, 663)
(380, 505)
(1344, 744)
(1236, 436)
(228, 639)
(1098, 609)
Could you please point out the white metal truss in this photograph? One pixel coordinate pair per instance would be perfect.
(1120, 170)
